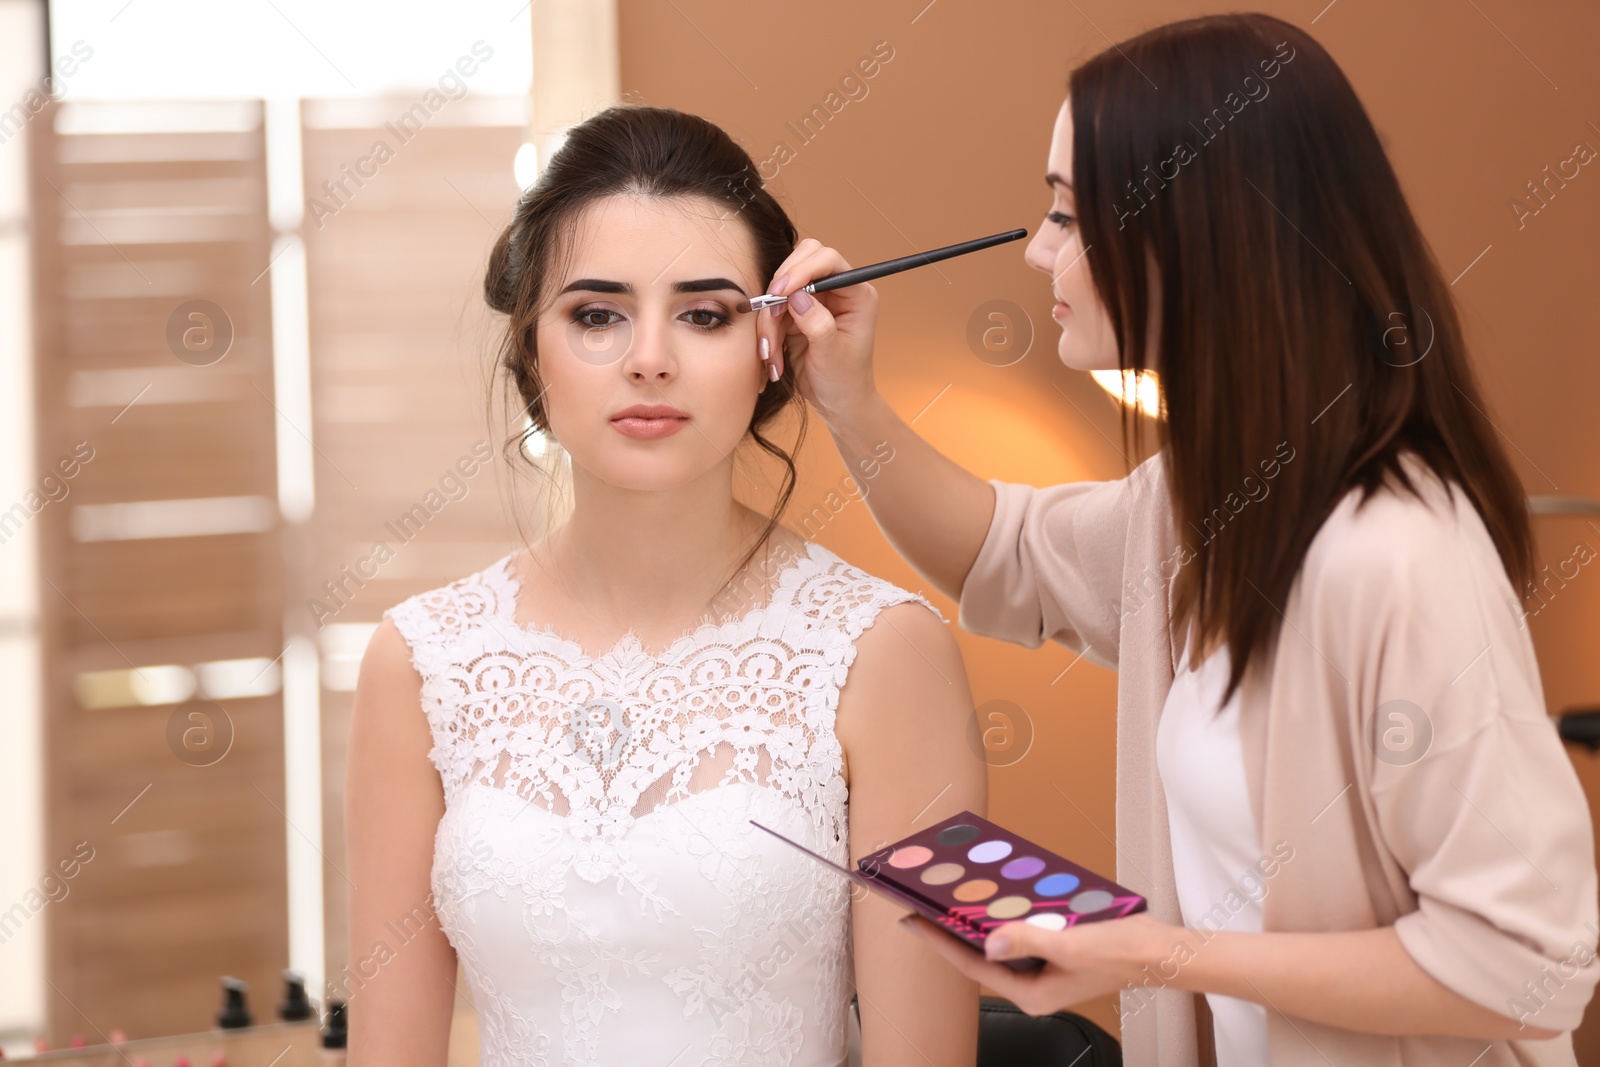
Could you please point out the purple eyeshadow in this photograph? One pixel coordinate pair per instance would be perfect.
(1022, 867)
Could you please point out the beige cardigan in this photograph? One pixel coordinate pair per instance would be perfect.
(1479, 853)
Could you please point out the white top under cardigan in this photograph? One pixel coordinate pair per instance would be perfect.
(1397, 599)
(1215, 845)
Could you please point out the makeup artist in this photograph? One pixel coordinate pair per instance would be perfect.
(1337, 783)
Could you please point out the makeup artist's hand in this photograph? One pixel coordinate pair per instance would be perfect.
(829, 335)
(1081, 962)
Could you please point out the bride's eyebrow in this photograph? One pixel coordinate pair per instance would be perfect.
(698, 285)
(596, 285)
(706, 285)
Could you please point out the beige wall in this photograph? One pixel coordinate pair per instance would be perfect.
(949, 143)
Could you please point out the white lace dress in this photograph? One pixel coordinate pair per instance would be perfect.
(595, 867)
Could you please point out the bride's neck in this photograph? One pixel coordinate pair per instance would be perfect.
(651, 550)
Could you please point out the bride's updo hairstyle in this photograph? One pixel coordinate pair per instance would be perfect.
(638, 151)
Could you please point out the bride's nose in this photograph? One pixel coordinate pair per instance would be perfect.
(650, 357)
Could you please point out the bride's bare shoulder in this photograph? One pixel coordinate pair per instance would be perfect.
(387, 661)
(905, 723)
(908, 643)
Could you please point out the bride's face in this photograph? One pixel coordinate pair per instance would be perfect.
(651, 374)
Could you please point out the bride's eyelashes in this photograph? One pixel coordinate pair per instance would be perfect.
(711, 319)
(719, 319)
(581, 317)
(1061, 219)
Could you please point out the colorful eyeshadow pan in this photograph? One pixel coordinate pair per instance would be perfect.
(989, 852)
(1022, 867)
(943, 873)
(975, 890)
(1090, 901)
(1056, 885)
(1048, 920)
(1010, 907)
(913, 856)
(958, 834)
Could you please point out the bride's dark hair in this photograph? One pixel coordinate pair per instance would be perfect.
(644, 151)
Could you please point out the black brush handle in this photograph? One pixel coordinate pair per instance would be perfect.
(857, 275)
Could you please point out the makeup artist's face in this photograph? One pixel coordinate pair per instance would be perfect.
(644, 323)
(1087, 341)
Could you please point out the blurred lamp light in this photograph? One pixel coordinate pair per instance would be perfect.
(1141, 388)
(163, 684)
(343, 645)
(221, 679)
(236, 679)
(146, 519)
(530, 157)
(534, 442)
(526, 165)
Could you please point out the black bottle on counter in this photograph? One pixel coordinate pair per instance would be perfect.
(235, 1015)
(295, 1005)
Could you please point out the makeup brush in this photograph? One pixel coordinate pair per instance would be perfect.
(879, 270)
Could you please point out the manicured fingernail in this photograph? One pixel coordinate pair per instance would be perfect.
(762, 345)
(910, 923)
(801, 302)
(997, 945)
(772, 371)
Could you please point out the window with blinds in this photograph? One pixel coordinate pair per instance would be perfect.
(201, 603)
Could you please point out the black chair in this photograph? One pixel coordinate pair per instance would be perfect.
(1580, 726)
(1009, 1037)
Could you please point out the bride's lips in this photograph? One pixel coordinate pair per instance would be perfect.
(1059, 310)
(648, 421)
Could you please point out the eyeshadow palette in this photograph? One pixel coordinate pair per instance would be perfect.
(970, 876)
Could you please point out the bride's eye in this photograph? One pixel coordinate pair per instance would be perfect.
(706, 319)
(1061, 219)
(586, 317)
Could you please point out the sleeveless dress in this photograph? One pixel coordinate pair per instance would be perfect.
(595, 867)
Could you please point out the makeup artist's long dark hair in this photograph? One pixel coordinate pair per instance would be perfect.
(1301, 307)
(632, 150)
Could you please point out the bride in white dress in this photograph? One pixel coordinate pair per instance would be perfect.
(559, 756)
